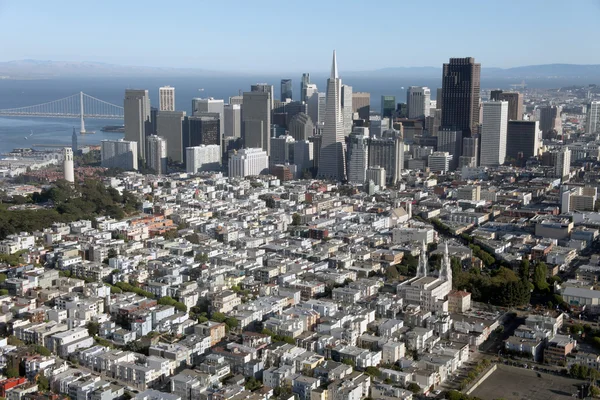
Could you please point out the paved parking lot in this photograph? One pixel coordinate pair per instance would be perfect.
(522, 384)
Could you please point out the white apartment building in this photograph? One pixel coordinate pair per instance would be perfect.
(248, 162)
(203, 158)
(493, 133)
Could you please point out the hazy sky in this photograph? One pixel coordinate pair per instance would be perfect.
(283, 35)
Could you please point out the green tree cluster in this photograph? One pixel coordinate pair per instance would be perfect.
(540, 273)
(70, 202)
(503, 288)
(252, 384)
(169, 301)
(278, 338)
(127, 287)
(480, 253)
(11, 259)
(584, 372)
(42, 350)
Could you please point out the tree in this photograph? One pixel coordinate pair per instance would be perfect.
(42, 350)
(231, 322)
(296, 219)
(93, 328)
(413, 387)
(14, 341)
(43, 383)
(201, 258)
(373, 371)
(391, 273)
(218, 317)
(12, 372)
(524, 269)
(3, 278)
(202, 319)
(540, 272)
(252, 384)
(3, 292)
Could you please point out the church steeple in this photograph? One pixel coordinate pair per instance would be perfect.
(446, 270)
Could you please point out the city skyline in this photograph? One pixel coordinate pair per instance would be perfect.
(233, 42)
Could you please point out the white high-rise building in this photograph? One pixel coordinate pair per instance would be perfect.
(332, 161)
(119, 154)
(233, 121)
(593, 118)
(210, 105)
(562, 162)
(347, 108)
(493, 133)
(248, 162)
(166, 98)
(377, 175)
(136, 113)
(68, 169)
(156, 154)
(418, 100)
(203, 158)
(358, 155)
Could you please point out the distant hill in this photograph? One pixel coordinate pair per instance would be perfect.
(36, 69)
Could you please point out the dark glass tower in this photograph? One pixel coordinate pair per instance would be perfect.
(460, 95)
(286, 89)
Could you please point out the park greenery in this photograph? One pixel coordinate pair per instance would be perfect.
(474, 373)
(67, 202)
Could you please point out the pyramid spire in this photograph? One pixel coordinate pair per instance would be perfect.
(334, 70)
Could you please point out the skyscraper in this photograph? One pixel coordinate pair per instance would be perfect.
(119, 154)
(358, 155)
(169, 125)
(233, 121)
(166, 98)
(387, 151)
(202, 129)
(157, 154)
(593, 118)
(256, 120)
(550, 120)
(332, 161)
(361, 104)
(347, 108)
(493, 133)
(515, 103)
(68, 170)
(523, 139)
(460, 95)
(562, 162)
(418, 99)
(203, 158)
(136, 113)
(210, 105)
(451, 142)
(286, 89)
(388, 106)
(281, 147)
(301, 127)
(303, 86)
(264, 88)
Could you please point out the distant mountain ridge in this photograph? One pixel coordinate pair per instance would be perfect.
(45, 69)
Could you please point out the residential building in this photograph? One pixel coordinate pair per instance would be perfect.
(248, 162)
(166, 98)
(203, 158)
(119, 154)
(157, 154)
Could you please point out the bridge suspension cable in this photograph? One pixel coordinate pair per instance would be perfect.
(75, 106)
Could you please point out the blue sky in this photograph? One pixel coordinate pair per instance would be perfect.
(290, 36)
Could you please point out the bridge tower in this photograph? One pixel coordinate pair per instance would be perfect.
(82, 131)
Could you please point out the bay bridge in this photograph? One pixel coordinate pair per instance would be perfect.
(79, 105)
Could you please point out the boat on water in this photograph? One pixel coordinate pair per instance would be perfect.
(114, 128)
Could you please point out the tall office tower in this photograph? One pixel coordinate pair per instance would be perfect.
(281, 148)
(303, 87)
(361, 104)
(432, 123)
(377, 125)
(550, 120)
(210, 105)
(493, 133)
(156, 154)
(302, 156)
(592, 125)
(239, 100)
(232, 114)
(119, 154)
(286, 89)
(248, 162)
(347, 108)
(470, 151)
(166, 98)
(358, 155)
(202, 129)
(317, 141)
(264, 88)
(68, 169)
(169, 125)
(151, 122)
(451, 142)
(460, 95)
(438, 98)
(562, 162)
(136, 112)
(74, 145)
(387, 151)
(439, 161)
(388, 106)
(301, 127)
(256, 120)
(322, 99)
(203, 158)
(523, 139)
(515, 103)
(332, 162)
(418, 99)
